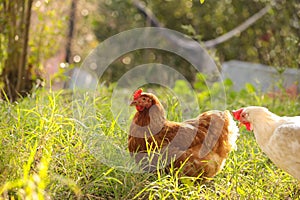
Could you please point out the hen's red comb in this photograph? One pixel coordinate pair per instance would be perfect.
(237, 113)
(137, 93)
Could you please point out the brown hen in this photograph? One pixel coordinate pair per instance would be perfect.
(201, 144)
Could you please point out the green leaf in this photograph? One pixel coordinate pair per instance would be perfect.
(189, 28)
(250, 88)
(227, 82)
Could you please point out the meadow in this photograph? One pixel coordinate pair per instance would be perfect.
(43, 154)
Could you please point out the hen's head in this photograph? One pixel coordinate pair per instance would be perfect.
(247, 116)
(143, 100)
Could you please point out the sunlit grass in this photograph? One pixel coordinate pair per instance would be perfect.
(45, 153)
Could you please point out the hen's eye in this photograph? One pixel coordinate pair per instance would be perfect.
(144, 99)
(244, 114)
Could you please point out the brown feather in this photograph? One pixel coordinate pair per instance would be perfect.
(203, 143)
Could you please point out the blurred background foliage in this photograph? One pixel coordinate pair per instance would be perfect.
(272, 40)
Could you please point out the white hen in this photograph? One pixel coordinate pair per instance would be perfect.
(278, 137)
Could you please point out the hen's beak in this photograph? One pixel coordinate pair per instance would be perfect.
(133, 103)
(240, 124)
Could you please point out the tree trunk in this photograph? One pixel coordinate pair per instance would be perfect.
(15, 74)
(71, 31)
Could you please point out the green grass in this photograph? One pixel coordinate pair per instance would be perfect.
(47, 152)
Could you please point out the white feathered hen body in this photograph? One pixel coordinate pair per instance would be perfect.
(283, 147)
(278, 137)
